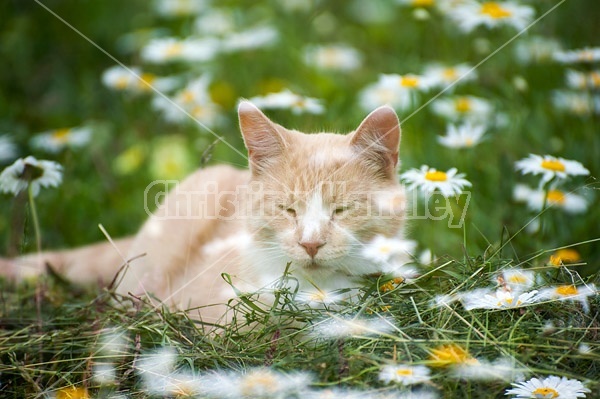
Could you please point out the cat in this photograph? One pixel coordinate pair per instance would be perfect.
(308, 201)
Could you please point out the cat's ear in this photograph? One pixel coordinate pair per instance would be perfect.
(378, 139)
(261, 136)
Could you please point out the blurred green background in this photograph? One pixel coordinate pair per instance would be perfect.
(51, 77)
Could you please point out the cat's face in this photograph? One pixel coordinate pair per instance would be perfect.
(319, 198)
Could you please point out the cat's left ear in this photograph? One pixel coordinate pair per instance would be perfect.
(378, 139)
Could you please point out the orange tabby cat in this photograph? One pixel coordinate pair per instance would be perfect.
(310, 200)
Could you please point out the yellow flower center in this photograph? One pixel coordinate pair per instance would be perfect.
(566, 290)
(187, 96)
(389, 286)
(494, 10)
(554, 165)
(545, 393)
(146, 79)
(72, 393)
(174, 49)
(517, 279)
(447, 355)
(422, 3)
(566, 255)
(556, 197)
(463, 105)
(595, 79)
(318, 296)
(436, 175)
(61, 135)
(122, 82)
(449, 74)
(258, 384)
(385, 249)
(409, 81)
(586, 55)
(404, 372)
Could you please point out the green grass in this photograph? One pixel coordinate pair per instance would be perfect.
(50, 78)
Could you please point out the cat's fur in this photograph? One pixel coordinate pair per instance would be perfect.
(310, 199)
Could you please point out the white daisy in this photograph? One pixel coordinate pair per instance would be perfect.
(287, 100)
(550, 387)
(335, 57)
(179, 8)
(318, 298)
(250, 39)
(468, 297)
(30, 171)
(382, 249)
(404, 374)
(443, 300)
(215, 22)
(502, 299)
(491, 14)
(443, 76)
(169, 49)
(577, 103)
(518, 280)
(466, 135)
(397, 91)
(429, 180)
(104, 373)
(471, 108)
(575, 79)
(136, 81)
(255, 383)
(8, 149)
(53, 141)
(570, 292)
(536, 49)
(483, 370)
(192, 103)
(344, 327)
(588, 54)
(550, 167)
(536, 199)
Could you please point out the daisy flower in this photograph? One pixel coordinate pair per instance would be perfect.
(536, 199)
(536, 49)
(335, 57)
(404, 374)
(179, 8)
(502, 299)
(318, 298)
(134, 80)
(577, 103)
(287, 100)
(397, 91)
(491, 14)
(193, 101)
(517, 280)
(30, 171)
(456, 108)
(429, 180)
(250, 39)
(382, 249)
(565, 256)
(576, 80)
(255, 383)
(450, 355)
(570, 293)
(466, 135)
(443, 76)
(163, 50)
(215, 22)
(588, 54)
(483, 370)
(53, 141)
(344, 327)
(550, 167)
(8, 149)
(549, 387)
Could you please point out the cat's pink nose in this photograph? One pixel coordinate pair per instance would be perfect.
(311, 247)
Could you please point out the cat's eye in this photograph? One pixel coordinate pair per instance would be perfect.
(290, 211)
(340, 210)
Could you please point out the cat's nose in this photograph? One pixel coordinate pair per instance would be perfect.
(311, 247)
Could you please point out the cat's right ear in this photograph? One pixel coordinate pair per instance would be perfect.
(261, 136)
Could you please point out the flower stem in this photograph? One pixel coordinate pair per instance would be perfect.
(36, 223)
